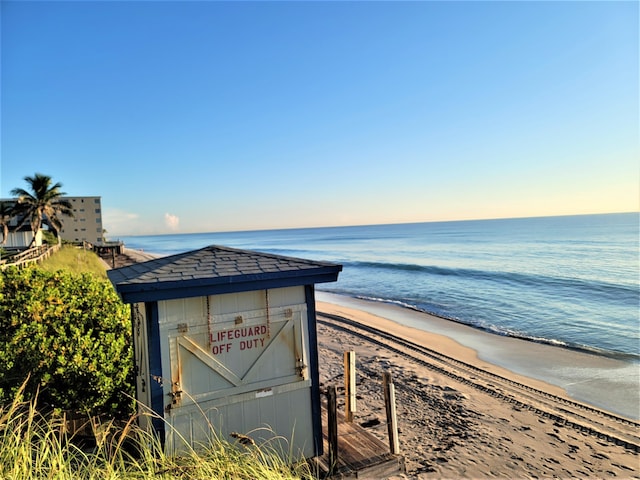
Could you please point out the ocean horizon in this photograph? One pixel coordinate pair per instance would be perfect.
(571, 282)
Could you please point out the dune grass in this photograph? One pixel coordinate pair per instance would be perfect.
(36, 447)
(76, 260)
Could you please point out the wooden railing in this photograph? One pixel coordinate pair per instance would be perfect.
(31, 255)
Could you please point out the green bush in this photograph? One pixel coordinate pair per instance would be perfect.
(70, 335)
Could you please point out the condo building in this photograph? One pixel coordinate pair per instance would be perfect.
(86, 223)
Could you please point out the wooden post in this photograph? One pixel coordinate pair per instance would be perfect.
(390, 407)
(332, 426)
(349, 385)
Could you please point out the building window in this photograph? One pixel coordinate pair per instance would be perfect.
(97, 210)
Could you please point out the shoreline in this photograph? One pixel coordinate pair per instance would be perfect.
(440, 343)
(582, 376)
(615, 355)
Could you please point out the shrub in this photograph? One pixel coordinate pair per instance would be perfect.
(69, 336)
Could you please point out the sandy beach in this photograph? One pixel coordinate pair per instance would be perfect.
(461, 416)
(452, 429)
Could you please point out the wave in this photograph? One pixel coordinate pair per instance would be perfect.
(498, 330)
(525, 279)
(286, 252)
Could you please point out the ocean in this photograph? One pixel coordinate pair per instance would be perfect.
(572, 282)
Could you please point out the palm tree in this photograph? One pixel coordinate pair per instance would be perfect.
(44, 204)
(6, 212)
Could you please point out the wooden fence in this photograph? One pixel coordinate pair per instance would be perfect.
(31, 255)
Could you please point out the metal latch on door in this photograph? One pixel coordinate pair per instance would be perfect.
(301, 368)
(176, 395)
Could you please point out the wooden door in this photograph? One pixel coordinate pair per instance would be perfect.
(244, 372)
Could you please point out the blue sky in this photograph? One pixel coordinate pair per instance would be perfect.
(222, 116)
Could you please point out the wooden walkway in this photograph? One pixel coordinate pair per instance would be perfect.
(360, 454)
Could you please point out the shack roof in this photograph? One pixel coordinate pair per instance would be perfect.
(214, 270)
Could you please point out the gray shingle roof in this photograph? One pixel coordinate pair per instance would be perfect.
(216, 269)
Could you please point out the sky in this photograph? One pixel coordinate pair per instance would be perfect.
(224, 116)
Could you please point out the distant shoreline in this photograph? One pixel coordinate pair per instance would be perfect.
(622, 356)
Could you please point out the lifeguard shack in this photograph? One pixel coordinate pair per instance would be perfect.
(225, 343)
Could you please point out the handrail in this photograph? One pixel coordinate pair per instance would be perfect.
(31, 255)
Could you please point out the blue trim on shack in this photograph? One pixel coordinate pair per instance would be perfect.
(314, 369)
(155, 369)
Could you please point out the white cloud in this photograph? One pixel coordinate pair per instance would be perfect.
(119, 222)
(171, 221)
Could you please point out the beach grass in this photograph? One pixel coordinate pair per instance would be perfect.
(36, 446)
(75, 260)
